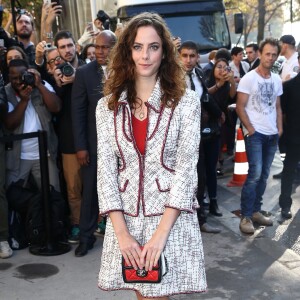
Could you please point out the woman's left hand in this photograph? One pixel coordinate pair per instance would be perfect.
(153, 249)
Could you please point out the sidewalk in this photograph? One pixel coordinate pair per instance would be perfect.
(263, 266)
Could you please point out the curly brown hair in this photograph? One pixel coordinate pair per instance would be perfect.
(122, 68)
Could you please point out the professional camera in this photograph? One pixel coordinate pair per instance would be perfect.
(104, 18)
(28, 78)
(21, 11)
(66, 69)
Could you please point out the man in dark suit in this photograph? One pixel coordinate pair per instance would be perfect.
(195, 81)
(252, 56)
(87, 90)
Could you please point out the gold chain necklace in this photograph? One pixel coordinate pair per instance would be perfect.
(141, 114)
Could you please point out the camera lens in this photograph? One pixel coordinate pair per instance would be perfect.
(66, 69)
(28, 78)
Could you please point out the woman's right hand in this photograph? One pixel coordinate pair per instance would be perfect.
(130, 250)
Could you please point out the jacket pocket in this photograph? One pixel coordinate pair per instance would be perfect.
(122, 187)
(162, 186)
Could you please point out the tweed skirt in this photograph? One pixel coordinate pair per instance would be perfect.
(183, 251)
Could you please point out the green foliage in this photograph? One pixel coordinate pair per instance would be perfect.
(34, 7)
(273, 9)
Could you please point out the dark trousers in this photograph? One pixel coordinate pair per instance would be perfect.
(289, 166)
(230, 126)
(89, 204)
(207, 174)
(3, 201)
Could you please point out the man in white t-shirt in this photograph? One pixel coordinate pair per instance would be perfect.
(30, 104)
(258, 107)
(289, 69)
(290, 66)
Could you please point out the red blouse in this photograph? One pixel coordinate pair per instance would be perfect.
(140, 132)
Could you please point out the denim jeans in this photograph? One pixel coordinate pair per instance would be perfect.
(260, 149)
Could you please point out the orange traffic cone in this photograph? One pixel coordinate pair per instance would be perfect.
(240, 162)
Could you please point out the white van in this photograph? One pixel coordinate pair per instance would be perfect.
(203, 21)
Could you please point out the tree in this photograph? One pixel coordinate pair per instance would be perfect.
(257, 13)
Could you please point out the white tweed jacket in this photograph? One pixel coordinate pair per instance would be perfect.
(166, 176)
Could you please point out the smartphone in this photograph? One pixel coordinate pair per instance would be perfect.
(1, 43)
(89, 26)
(228, 69)
(48, 2)
(58, 2)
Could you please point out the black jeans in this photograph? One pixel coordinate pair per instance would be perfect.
(289, 166)
(207, 174)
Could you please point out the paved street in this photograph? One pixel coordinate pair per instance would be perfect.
(263, 266)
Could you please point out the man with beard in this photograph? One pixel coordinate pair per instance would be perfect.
(24, 26)
(64, 75)
(87, 90)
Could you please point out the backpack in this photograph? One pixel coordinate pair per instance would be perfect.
(17, 234)
(28, 202)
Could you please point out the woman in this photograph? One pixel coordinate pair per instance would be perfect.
(88, 53)
(147, 164)
(221, 87)
(13, 52)
(239, 68)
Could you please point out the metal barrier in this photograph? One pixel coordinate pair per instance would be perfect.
(51, 247)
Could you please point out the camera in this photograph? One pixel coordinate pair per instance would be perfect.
(48, 46)
(21, 11)
(228, 69)
(28, 78)
(66, 69)
(104, 18)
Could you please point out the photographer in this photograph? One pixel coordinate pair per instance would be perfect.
(102, 22)
(64, 75)
(30, 103)
(24, 32)
(25, 29)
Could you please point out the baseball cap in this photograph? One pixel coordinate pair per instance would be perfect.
(288, 39)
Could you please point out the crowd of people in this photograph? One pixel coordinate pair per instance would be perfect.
(138, 165)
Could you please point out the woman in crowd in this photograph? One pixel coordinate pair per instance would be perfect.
(148, 138)
(88, 53)
(13, 52)
(221, 87)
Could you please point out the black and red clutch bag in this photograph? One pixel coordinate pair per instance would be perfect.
(130, 275)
